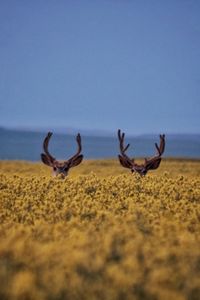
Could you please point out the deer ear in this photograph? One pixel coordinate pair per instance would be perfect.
(76, 161)
(46, 160)
(124, 162)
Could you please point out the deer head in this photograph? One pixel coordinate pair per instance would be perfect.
(149, 163)
(57, 166)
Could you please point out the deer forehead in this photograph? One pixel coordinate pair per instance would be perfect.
(60, 164)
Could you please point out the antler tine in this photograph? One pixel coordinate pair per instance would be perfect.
(45, 146)
(78, 140)
(161, 148)
(121, 140)
(162, 143)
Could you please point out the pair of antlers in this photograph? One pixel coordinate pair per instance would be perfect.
(149, 163)
(63, 167)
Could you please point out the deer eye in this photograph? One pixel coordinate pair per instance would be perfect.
(54, 168)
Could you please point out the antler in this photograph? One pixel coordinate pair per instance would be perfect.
(121, 142)
(47, 158)
(149, 164)
(161, 148)
(124, 159)
(154, 162)
(74, 157)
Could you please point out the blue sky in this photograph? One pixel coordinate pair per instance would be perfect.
(101, 64)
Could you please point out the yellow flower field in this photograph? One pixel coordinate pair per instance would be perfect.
(101, 233)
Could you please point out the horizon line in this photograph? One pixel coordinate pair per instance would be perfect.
(85, 131)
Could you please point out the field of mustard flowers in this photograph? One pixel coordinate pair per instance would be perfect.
(101, 233)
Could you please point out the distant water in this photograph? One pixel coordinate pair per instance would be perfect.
(28, 145)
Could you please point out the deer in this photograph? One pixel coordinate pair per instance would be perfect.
(59, 167)
(149, 163)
